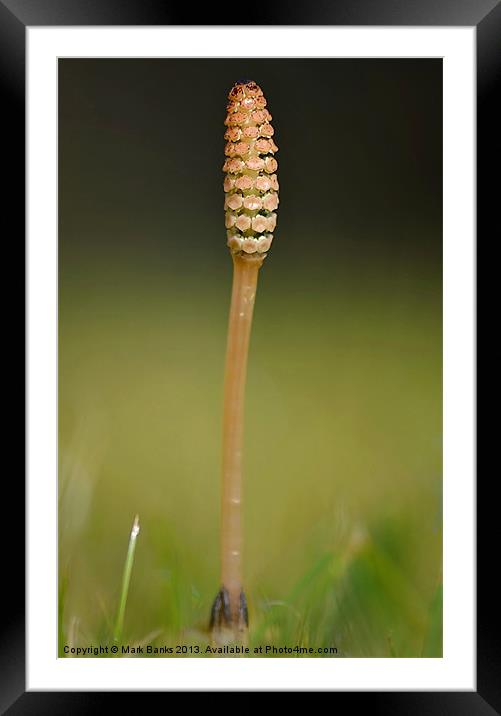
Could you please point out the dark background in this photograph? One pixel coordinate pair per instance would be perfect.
(141, 143)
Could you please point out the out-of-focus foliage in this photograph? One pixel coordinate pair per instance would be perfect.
(342, 454)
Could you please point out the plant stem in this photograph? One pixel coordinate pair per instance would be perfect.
(129, 561)
(245, 275)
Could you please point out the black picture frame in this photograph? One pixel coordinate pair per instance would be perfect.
(15, 17)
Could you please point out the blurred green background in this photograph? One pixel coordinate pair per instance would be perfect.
(343, 451)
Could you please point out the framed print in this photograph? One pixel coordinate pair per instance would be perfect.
(321, 163)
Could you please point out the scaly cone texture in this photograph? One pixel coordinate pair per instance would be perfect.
(251, 184)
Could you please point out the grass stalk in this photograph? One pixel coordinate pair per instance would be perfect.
(129, 562)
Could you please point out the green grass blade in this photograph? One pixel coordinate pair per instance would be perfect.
(63, 586)
(432, 647)
(129, 561)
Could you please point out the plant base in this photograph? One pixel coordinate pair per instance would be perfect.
(228, 622)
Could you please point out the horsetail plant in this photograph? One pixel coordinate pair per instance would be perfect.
(251, 198)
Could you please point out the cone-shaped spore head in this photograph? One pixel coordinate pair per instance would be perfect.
(250, 184)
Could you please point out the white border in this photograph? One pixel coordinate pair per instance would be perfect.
(456, 671)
